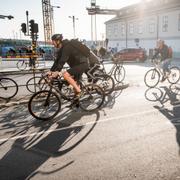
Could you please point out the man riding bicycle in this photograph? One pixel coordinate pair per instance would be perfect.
(163, 51)
(77, 62)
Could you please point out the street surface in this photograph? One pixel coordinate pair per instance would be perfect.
(129, 138)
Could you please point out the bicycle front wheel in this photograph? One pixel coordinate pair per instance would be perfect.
(119, 73)
(36, 83)
(8, 88)
(44, 105)
(21, 65)
(106, 82)
(174, 75)
(92, 97)
(152, 78)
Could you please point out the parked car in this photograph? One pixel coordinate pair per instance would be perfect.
(131, 54)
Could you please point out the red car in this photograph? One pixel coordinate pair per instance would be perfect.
(131, 54)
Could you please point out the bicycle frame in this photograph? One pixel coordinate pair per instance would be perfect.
(115, 65)
(158, 68)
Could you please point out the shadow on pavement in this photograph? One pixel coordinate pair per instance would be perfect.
(35, 142)
(169, 94)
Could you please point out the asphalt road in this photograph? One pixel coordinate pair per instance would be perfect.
(129, 138)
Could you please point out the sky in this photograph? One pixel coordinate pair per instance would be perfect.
(63, 24)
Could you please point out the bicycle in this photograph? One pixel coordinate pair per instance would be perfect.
(8, 88)
(46, 104)
(23, 64)
(117, 70)
(105, 81)
(153, 76)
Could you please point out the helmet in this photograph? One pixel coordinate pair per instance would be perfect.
(57, 37)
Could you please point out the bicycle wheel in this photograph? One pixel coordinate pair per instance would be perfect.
(44, 105)
(153, 94)
(106, 82)
(152, 78)
(21, 64)
(36, 64)
(119, 73)
(92, 97)
(8, 88)
(35, 84)
(174, 75)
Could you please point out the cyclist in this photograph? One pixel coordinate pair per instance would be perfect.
(163, 51)
(66, 53)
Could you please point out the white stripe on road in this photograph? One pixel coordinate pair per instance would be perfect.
(90, 123)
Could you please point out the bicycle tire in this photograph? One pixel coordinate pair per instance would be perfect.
(174, 75)
(21, 65)
(8, 88)
(119, 74)
(36, 64)
(92, 98)
(32, 84)
(153, 94)
(106, 82)
(42, 100)
(35, 84)
(154, 75)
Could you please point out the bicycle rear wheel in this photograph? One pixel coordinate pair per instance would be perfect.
(174, 75)
(92, 97)
(36, 64)
(44, 105)
(21, 64)
(8, 88)
(152, 78)
(119, 73)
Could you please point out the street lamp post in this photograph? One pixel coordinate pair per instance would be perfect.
(73, 18)
(52, 17)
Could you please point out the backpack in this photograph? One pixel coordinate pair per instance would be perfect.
(85, 51)
(170, 52)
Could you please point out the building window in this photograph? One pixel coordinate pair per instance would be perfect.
(115, 30)
(165, 23)
(140, 27)
(109, 31)
(123, 30)
(131, 28)
(152, 26)
(179, 22)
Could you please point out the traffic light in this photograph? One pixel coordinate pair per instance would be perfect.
(23, 28)
(36, 30)
(31, 26)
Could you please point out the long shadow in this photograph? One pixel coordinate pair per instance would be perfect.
(53, 139)
(173, 115)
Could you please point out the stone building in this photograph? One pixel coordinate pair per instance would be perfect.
(140, 25)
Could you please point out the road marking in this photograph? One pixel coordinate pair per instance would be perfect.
(90, 123)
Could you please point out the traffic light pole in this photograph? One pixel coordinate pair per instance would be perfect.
(31, 29)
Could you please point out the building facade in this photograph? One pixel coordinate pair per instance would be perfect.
(140, 25)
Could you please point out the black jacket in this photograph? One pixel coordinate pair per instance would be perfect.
(67, 54)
